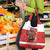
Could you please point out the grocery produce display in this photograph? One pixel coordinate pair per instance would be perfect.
(3, 11)
(46, 17)
(8, 23)
(47, 24)
(7, 26)
(47, 1)
(47, 8)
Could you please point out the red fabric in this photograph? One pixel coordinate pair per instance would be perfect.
(34, 37)
(38, 16)
(32, 46)
(30, 16)
(40, 39)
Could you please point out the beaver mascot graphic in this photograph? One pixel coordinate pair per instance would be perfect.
(32, 35)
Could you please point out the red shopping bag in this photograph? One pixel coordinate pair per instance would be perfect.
(32, 37)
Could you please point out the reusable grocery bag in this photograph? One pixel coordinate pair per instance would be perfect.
(32, 37)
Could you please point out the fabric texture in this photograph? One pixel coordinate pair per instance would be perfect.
(21, 48)
(18, 36)
(34, 21)
(29, 37)
(32, 4)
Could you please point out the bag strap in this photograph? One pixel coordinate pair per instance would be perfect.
(37, 16)
(30, 17)
(39, 22)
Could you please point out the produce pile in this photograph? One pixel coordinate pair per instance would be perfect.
(7, 26)
(47, 24)
(47, 1)
(47, 8)
(9, 23)
(3, 11)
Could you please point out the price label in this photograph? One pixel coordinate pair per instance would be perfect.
(44, 19)
(9, 16)
(16, 8)
(0, 6)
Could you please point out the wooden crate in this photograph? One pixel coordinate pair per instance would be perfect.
(7, 41)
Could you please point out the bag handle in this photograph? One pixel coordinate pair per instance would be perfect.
(39, 22)
(33, 13)
(30, 17)
(37, 16)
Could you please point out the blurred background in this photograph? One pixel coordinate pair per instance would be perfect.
(12, 18)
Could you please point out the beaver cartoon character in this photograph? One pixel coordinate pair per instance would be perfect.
(31, 35)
